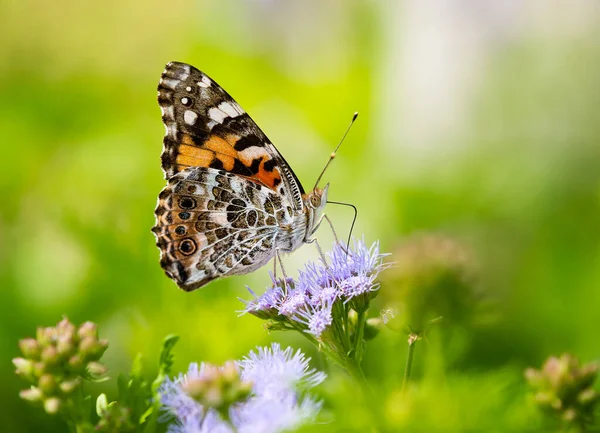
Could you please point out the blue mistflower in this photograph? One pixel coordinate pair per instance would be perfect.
(274, 403)
(309, 302)
(272, 370)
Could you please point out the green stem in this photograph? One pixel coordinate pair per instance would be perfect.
(412, 339)
(360, 336)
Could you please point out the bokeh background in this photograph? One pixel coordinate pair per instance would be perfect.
(479, 121)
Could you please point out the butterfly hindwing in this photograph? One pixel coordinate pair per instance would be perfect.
(205, 127)
(211, 223)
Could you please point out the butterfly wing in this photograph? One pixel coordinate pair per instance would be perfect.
(205, 127)
(230, 198)
(211, 223)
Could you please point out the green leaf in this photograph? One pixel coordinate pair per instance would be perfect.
(165, 363)
(136, 367)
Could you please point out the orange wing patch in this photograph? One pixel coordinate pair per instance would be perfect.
(219, 152)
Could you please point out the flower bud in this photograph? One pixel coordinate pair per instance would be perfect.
(64, 328)
(88, 329)
(588, 397)
(67, 387)
(76, 362)
(39, 368)
(30, 348)
(45, 336)
(88, 347)
(52, 405)
(32, 394)
(96, 369)
(24, 367)
(47, 383)
(65, 347)
(564, 389)
(230, 372)
(50, 355)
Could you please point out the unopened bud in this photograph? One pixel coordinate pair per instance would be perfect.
(47, 383)
(88, 329)
(230, 372)
(32, 394)
(52, 405)
(69, 386)
(24, 367)
(30, 348)
(96, 369)
(65, 328)
(65, 346)
(45, 336)
(50, 355)
(39, 368)
(76, 362)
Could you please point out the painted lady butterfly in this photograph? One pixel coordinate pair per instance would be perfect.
(231, 202)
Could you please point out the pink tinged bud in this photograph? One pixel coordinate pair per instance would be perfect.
(50, 355)
(30, 348)
(588, 397)
(45, 336)
(88, 329)
(65, 328)
(76, 363)
(47, 383)
(569, 415)
(65, 346)
(534, 377)
(32, 394)
(87, 346)
(69, 386)
(39, 368)
(230, 372)
(96, 369)
(52, 405)
(24, 367)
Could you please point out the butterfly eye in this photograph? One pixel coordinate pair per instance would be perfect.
(315, 200)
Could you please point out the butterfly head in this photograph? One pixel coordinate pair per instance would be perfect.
(315, 202)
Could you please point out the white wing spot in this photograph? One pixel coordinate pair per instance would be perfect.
(205, 82)
(230, 109)
(168, 112)
(171, 130)
(217, 115)
(184, 101)
(169, 82)
(190, 117)
(188, 89)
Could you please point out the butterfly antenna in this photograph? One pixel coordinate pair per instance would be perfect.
(353, 221)
(336, 149)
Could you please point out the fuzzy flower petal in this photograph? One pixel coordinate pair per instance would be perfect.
(273, 370)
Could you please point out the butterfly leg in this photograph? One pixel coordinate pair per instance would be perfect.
(335, 236)
(278, 257)
(314, 241)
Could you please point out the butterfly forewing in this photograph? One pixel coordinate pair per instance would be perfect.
(205, 127)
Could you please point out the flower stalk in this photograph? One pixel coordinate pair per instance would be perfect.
(412, 340)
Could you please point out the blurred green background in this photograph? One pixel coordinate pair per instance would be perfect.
(478, 120)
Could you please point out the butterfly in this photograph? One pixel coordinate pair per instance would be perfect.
(231, 202)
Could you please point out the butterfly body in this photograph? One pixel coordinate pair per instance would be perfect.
(231, 200)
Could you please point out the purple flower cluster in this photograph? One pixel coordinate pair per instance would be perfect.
(275, 403)
(310, 303)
